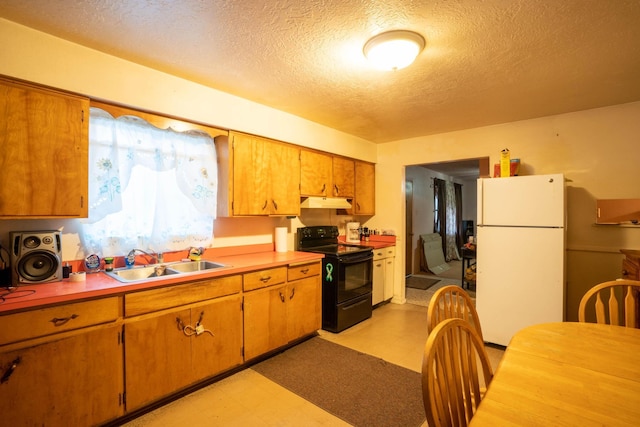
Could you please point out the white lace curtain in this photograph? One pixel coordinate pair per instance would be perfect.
(149, 188)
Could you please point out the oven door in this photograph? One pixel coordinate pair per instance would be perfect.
(354, 276)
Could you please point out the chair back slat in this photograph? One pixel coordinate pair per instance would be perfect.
(613, 308)
(621, 308)
(630, 308)
(450, 302)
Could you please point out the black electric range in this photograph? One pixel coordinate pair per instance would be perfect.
(347, 274)
(324, 239)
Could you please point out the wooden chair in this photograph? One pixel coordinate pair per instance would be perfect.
(451, 380)
(449, 302)
(622, 299)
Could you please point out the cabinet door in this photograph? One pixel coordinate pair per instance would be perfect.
(74, 381)
(250, 176)
(42, 130)
(284, 175)
(364, 202)
(389, 268)
(377, 294)
(304, 299)
(219, 347)
(343, 177)
(315, 174)
(157, 357)
(265, 322)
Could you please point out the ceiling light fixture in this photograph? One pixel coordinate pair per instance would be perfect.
(393, 50)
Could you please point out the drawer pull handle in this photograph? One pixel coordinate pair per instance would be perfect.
(10, 370)
(304, 271)
(281, 296)
(265, 279)
(293, 292)
(59, 321)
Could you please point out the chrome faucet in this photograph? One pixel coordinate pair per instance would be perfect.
(131, 257)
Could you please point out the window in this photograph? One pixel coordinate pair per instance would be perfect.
(149, 188)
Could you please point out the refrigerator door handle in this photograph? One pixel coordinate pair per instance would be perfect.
(480, 202)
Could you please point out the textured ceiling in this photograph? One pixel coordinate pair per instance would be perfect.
(486, 61)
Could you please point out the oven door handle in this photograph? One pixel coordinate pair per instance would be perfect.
(355, 258)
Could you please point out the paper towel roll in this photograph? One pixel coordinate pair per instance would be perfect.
(281, 239)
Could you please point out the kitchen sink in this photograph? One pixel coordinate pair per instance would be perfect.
(190, 266)
(160, 271)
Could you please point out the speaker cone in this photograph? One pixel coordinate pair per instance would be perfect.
(38, 265)
(31, 242)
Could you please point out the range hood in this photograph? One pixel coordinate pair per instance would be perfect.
(325, 203)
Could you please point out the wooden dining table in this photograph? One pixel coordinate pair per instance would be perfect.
(566, 374)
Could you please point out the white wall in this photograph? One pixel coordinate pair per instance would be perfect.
(597, 150)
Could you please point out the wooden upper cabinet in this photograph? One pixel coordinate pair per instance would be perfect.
(343, 177)
(315, 174)
(364, 202)
(284, 171)
(43, 152)
(266, 176)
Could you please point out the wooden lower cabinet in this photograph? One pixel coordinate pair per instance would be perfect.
(157, 357)
(265, 320)
(304, 307)
(219, 347)
(281, 313)
(164, 353)
(71, 381)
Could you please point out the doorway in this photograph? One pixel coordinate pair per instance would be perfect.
(419, 199)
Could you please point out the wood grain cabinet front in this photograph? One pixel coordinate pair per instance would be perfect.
(364, 202)
(167, 352)
(180, 335)
(265, 176)
(343, 177)
(281, 312)
(42, 129)
(46, 321)
(304, 293)
(72, 379)
(316, 170)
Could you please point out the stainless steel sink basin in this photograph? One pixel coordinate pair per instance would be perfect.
(159, 271)
(188, 267)
(140, 273)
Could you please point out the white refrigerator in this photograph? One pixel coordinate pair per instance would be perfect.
(520, 255)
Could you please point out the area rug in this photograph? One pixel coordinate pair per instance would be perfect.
(360, 389)
(417, 282)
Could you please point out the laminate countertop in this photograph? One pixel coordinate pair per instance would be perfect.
(99, 284)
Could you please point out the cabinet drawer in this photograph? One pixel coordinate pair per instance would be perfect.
(382, 253)
(264, 278)
(51, 320)
(300, 271)
(173, 296)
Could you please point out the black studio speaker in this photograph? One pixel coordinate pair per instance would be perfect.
(36, 257)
